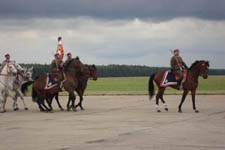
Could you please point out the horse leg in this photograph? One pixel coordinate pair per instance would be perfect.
(4, 102)
(1, 103)
(81, 99)
(182, 100)
(193, 100)
(21, 96)
(157, 103)
(10, 94)
(43, 104)
(73, 97)
(68, 103)
(159, 95)
(49, 102)
(57, 100)
(164, 103)
(15, 105)
(39, 105)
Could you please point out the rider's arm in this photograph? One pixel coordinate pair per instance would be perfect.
(183, 63)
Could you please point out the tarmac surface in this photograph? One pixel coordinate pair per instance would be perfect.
(116, 123)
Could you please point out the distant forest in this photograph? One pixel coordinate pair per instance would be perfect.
(117, 70)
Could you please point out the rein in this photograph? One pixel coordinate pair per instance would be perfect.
(5, 75)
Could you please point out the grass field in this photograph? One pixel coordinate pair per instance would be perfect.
(139, 86)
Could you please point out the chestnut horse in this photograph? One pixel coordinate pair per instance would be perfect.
(198, 68)
(89, 71)
(72, 70)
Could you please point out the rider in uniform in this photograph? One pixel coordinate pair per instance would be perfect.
(177, 64)
(56, 68)
(6, 61)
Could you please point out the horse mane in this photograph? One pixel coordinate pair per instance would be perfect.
(68, 64)
(196, 62)
(70, 61)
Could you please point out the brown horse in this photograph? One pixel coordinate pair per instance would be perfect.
(88, 71)
(73, 70)
(198, 68)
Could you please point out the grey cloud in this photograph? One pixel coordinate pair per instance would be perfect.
(114, 9)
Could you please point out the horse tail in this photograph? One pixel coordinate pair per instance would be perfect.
(34, 95)
(151, 89)
(25, 85)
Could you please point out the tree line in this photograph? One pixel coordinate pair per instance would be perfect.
(116, 70)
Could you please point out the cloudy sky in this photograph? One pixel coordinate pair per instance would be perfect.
(134, 32)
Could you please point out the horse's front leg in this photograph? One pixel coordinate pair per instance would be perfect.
(20, 94)
(57, 100)
(15, 105)
(68, 103)
(10, 94)
(49, 102)
(73, 97)
(193, 92)
(80, 93)
(2, 103)
(182, 101)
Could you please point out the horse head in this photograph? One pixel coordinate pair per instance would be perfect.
(93, 71)
(28, 73)
(25, 73)
(10, 69)
(202, 66)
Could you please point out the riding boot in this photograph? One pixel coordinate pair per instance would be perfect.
(179, 85)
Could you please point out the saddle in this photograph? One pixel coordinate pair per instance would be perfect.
(52, 81)
(169, 78)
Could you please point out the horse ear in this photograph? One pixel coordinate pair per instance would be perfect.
(208, 62)
(31, 68)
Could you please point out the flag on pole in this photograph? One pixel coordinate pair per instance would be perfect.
(60, 49)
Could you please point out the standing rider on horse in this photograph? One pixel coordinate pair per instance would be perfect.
(5, 62)
(177, 64)
(57, 68)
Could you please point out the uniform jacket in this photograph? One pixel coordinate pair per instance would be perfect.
(177, 62)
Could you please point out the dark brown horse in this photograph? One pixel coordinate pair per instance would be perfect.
(89, 71)
(73, 70)
(198, 68)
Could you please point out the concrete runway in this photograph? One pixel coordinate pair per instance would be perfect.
(117, 123)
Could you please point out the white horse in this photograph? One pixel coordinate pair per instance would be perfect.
(23, 74)
(7, 77)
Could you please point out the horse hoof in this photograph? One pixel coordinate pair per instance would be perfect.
(180, 111)
(26, 108)
(166, 109)
(158, 110)
(3, 111)
(61, 109)
(74, 109)
(196, 111)
(15, 109)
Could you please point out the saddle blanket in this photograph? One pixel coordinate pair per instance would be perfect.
(52, 81)
(170, 79)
